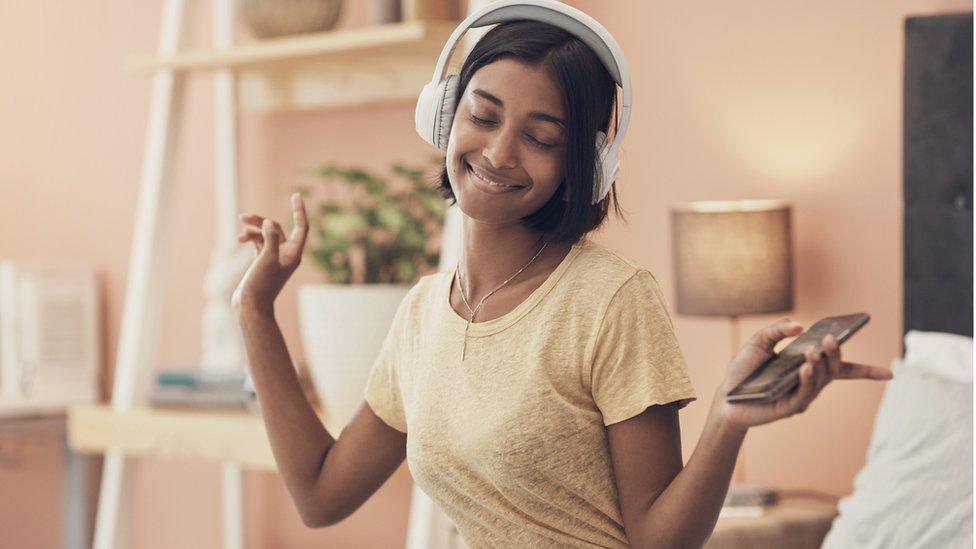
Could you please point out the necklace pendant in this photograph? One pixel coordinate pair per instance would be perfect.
(459, 278)
(464, 343)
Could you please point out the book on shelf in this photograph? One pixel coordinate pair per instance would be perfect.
(198, 389)
(190, 387)
(198, 399)
(742, 511)
(747, 501)
(200, 379)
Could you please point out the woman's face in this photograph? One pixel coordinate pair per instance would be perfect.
(508, 129)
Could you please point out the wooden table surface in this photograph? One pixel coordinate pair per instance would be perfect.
(793, 523)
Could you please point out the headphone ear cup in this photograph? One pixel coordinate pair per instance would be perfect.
(423, 115)
(600, 169)
(601, 139)
(435, 111)
(611, 166)
(446, 106)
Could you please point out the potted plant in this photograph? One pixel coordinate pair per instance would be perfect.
(372, 237)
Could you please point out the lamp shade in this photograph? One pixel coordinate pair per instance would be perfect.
(732, 257)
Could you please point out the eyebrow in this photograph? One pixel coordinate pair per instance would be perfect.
(534, 115)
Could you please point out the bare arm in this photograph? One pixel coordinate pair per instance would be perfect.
(663, 504)
(327, 479)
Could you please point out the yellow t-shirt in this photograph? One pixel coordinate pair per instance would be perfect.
(512, 442)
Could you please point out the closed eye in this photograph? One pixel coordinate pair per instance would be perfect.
(480, 121)
(489, 123)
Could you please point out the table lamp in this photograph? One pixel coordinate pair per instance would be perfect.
(733, 258)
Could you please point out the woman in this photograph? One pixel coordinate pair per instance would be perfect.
(534, 389)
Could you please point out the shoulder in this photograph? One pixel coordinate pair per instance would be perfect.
(422, 295)
(608, 273)
(429, 285)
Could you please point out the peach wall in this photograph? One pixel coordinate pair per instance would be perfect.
(762, 99)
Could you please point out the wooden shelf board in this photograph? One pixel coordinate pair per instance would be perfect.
(217, 436)
(379, 40)
(334, 69)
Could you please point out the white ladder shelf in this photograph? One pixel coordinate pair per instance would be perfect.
(137, 341)
(416, 43)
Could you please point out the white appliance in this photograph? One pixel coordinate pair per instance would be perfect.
(50, 332)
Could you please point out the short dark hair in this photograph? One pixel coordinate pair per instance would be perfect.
(589, 99)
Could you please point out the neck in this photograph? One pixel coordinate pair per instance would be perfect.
(492, 254)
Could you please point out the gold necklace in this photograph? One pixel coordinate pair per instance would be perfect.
(460, 279)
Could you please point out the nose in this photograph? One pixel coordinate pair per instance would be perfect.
(501, 151)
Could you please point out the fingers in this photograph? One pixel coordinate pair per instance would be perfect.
(821, 367)
(256, 230)
(853, 370)
(838, 369)
(798, 401)
(767, 338)
(828, 363)
(249, 232)
(251, 219)
(255, 222)
(832, 350)
(819, 360)
(272, 238)
(253, 235)
(812, 379)
(300, 231)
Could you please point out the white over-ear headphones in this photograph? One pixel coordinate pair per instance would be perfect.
(436, 105)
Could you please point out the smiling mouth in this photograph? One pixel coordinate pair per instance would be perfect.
(488, 181)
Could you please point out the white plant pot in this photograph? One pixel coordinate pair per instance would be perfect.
(342, 329)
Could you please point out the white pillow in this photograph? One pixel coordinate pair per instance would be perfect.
(946, 355)
(915, 491)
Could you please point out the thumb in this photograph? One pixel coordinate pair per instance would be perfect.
(767, 338)
(270, 240)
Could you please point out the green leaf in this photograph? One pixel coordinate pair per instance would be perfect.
(327, 171)
(406, 270)
(410, 212)
(389, 216)
(413, 237)
(376, 187)
(344, 224)
(410, 173)
(435, 205)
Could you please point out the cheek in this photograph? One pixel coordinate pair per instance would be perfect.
(463, 138)
(463, 141)
(547, 171)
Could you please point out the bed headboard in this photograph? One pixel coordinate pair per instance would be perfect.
(938, 171)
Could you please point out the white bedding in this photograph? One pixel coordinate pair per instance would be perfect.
(915, 491)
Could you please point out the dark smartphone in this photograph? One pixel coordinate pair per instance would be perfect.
(780, 373)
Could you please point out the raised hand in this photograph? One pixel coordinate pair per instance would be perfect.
(276, 257)
(819, 369)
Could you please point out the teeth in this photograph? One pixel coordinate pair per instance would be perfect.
(490, 182)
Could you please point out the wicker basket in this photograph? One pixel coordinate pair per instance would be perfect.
(271, 18)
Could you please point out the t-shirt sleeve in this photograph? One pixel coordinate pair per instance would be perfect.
(636, 358)
(383, 389)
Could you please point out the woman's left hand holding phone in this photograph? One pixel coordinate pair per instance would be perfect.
(817, 371)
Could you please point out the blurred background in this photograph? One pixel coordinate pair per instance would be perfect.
(797, 101)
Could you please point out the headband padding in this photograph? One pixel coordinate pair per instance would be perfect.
(446, 111)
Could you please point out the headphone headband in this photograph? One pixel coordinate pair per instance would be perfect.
(573, 21)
